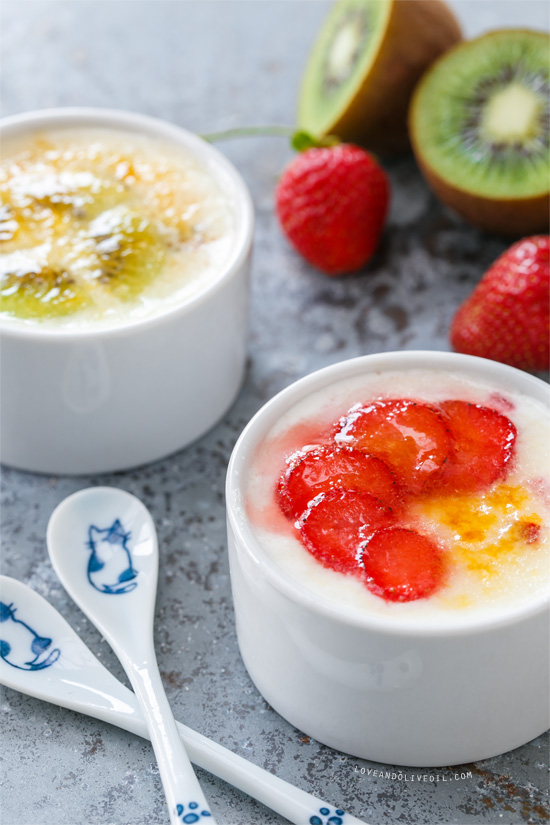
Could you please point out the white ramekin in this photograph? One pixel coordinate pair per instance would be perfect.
(97, 400)
(374, 688)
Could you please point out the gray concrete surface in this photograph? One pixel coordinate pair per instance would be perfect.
(208, 65)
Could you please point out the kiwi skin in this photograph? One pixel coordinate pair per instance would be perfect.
(417, 32)
(508, 217)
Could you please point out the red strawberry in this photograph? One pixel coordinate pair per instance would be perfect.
(482, 443)
(506, 318)
(410, 438)
(319, 470)
(335, 526)
(401, 565)
(332, 204)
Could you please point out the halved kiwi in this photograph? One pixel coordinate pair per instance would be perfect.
(364, 65)
(480, 130)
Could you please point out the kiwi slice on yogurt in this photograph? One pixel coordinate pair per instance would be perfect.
(129, 251)
(82, 264)
(32, 288)
(364, 65)
(480, 130)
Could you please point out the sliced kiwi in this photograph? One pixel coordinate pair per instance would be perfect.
(364, 65)
(129, 251)
(85, 263)
(32, 289)
(480, 129)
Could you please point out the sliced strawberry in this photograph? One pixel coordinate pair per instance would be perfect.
(411, 438)
(337, 523)
(322, 469)
(482, 443)
(401, 565)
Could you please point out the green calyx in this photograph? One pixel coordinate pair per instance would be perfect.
(302, 141)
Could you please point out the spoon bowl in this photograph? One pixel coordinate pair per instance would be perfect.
(73, 677)
(103, 546)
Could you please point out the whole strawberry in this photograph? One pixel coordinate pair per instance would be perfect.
(332, 204)
(506, 318)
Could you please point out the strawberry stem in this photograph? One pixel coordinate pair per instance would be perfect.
(249, 131)
(299, 140)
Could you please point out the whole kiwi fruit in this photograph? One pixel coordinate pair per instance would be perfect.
(364, 66)
(479, 124)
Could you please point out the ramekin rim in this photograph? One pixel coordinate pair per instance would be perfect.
(283, 581)
(202, 150)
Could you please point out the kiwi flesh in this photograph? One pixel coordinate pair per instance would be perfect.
(480, 130)
(128, 249)
(98, 249)
(31, 290)
(364, 65)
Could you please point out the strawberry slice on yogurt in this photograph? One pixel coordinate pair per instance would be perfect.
(411, 438)
(401, 565)
(321, 469)
(337, 523)
(481, 446)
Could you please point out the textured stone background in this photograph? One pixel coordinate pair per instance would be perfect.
(209, 65)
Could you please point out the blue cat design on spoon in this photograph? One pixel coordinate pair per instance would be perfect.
(22, 640)
(110, 564)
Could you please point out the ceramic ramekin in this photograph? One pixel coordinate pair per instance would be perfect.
(378, 689)
(96, 400)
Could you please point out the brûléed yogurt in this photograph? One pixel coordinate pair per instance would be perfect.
(494, 541)
(100, 226)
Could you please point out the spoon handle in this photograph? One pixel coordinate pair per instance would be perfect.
(186, 801)
(296, 805)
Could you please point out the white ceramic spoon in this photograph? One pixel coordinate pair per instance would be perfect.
(59, 668)
(103, 546)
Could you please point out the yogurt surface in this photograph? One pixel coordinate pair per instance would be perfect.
(100, 227)
(491, 568)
